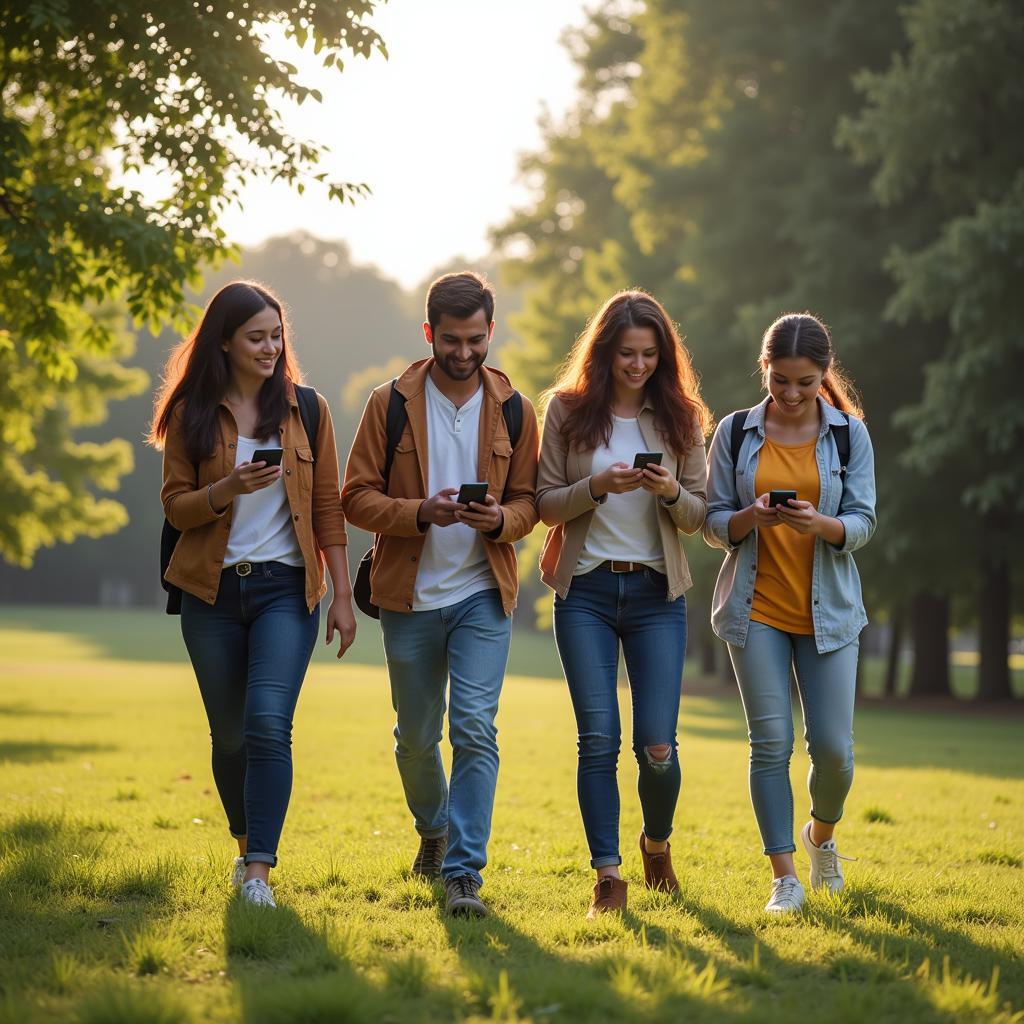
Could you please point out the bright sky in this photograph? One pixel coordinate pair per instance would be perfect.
(435, 131)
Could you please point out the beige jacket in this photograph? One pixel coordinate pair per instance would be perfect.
(567, 506)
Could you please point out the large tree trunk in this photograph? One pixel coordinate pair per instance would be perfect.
(892, 661)
(929, 628)
(994, 632)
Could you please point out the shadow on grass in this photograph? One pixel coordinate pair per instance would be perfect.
(38, 751)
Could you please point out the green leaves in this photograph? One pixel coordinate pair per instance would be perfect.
(88, 90)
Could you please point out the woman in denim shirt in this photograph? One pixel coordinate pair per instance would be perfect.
(788, 593)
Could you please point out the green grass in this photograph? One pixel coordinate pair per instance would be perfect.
(115, 907)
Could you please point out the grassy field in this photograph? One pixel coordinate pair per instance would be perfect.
(115, 905)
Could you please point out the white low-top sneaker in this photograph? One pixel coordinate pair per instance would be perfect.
(257, 892)
(787, 896)
(826, 871)
(238, 872)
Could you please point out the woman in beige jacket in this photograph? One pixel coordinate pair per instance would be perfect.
(622, 474)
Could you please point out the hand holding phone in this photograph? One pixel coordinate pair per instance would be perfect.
(642, 459)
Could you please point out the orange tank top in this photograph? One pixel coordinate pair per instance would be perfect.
(785, 558)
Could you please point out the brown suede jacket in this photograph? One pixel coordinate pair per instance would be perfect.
(511, 475)
(313, 498)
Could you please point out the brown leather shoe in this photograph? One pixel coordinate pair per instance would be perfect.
(609, 895)
(658, 873)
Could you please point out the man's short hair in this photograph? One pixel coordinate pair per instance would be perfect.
(460, 296)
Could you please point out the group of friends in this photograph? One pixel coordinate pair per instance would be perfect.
(620, 471)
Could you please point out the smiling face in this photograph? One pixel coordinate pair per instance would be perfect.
(460, 346)
(635, 359)
(793, 383)
(254, 349)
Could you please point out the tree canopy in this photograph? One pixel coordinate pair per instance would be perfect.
(92, 92)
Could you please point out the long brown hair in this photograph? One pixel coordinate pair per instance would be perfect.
(584, 382)
(198, 373)
(802, 335)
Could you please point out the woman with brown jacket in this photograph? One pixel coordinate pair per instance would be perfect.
(258, 506)
(622, 474)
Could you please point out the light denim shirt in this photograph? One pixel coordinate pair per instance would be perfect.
(837, 607)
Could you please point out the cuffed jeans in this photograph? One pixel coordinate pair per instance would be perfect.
(250, 651)
(827, 685)
(602, 610)
(467, 643)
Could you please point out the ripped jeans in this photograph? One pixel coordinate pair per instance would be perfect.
(601, 611)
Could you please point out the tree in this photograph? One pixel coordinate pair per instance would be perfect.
(92, 93)
(942, 125)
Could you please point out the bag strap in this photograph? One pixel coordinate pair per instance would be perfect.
(739, 417)
(309, 412)
(397, 419)
(840, 434)
(511, 410)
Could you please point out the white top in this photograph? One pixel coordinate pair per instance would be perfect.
(625, 527)
(453, 565)
(261, 522)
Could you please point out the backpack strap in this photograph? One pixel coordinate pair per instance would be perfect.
(841, 436)
(309, 412)
(739, 417)
(397, 418)
(512, 410)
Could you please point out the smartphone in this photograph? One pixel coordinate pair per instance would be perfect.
(271, 456)
(643, 459)
(472, 492)
(780, 498)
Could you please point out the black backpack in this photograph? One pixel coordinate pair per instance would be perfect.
(840, 434)
(511, 410)
(309, 411)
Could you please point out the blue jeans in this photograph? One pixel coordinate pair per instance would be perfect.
(250, 651)
(602, 610)
(467, 643)
(827, 684)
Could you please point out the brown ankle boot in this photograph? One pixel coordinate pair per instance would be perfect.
(609, 895)
(658, 873)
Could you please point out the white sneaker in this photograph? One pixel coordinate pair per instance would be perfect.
(826, 871)
(258, 893)
(238, 873)
(787, 896)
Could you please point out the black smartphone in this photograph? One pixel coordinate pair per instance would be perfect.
(271, 456)
(472, 492)
(780, 498)
(642, 459)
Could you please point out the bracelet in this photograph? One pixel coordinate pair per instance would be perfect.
(209, 498)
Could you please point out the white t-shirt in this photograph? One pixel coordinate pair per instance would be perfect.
(453, 565)
(625, 526)
(261, 522)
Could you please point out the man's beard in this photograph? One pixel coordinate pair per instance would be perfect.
(449, 369)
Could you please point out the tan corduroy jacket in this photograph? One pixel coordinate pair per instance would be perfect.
(314, 500)
(567, 506)
(511, 475)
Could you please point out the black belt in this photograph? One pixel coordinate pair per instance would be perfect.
(260, 568)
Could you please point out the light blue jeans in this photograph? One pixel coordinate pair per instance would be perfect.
(467, 643)
(827, 685)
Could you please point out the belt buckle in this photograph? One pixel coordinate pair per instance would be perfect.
(613, 564)
(243, 569)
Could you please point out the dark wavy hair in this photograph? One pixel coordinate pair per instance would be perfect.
(584, 382)
(197, 373)
(800, 335)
